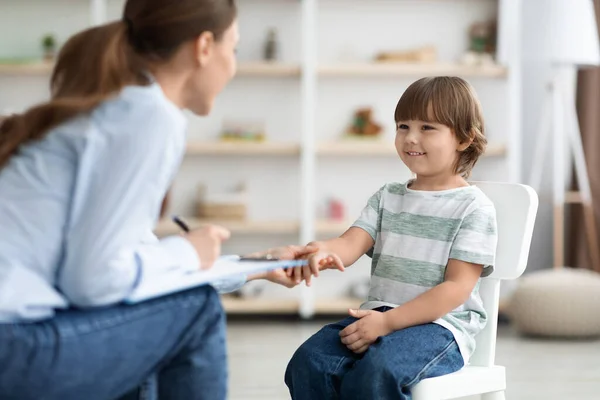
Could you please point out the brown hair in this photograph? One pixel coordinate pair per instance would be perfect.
(97, 63)
(450, 101)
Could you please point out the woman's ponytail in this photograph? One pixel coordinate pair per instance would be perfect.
(92, 66)
(97, 63)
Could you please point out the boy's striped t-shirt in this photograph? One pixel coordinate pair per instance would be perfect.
(415, 234)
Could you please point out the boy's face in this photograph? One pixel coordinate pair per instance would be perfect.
(428, 149)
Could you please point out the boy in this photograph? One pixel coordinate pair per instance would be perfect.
(432, 238)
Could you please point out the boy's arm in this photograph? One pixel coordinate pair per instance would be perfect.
(349, 247)
(458, 284)
(461, 277)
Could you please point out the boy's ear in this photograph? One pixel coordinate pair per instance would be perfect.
(462, 146)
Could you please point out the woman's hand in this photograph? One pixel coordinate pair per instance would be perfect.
(280, 276)
(207, 242)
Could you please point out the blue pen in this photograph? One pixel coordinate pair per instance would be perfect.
(180, 223)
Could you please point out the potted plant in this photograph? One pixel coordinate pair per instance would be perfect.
(49, 46)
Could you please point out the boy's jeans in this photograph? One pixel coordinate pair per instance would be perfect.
(104, 354)
(323, 368)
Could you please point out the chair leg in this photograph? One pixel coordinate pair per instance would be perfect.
(493, 396)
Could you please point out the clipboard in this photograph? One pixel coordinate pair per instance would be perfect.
(225, 267)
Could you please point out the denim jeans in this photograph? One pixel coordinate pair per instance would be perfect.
(173, 347)
(323, 368)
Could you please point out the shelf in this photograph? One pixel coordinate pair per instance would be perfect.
(293, 70)
(266, 306)
(325, 227)
(33, 68)
(268, 69)
(336, 148)
(241, 306)
(381, 148)
(357, 148)
(244, 69)
(411, 69)
(336, 306)
(242, 148)
(167, 227)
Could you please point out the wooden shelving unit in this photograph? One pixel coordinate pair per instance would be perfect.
(242, 148)
(411, 69)
(313, 71)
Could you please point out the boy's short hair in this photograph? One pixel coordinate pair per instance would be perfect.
(451, 101)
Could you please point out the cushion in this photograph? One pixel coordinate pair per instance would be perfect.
(562, 302)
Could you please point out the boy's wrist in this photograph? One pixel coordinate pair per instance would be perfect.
(394, 319)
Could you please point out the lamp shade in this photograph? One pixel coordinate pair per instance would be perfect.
(574, 33)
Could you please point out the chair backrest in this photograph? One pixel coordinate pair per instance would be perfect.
(516, 208)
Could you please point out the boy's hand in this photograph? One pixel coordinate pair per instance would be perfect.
(359, 335)
(317, 262)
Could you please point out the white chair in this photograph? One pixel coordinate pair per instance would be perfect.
(516, 208)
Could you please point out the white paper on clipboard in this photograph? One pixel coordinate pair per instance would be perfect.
(225, 267)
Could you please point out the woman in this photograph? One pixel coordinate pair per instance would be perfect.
(82, 178)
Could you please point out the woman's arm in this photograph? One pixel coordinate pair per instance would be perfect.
(120, 179)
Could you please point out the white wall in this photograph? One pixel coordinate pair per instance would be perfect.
(344, 33)
(536, 73)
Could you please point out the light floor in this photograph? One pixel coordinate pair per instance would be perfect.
(536, 369)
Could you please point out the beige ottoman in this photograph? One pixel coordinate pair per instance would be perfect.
(560, 303)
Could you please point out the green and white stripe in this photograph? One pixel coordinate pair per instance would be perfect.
(415, 234)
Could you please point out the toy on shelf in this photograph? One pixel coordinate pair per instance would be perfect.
(482, 44)
(363, 125)
(244, 131)
(271, 46)
(336, 210)
(426, 54)
(49, 47)
(229, 205)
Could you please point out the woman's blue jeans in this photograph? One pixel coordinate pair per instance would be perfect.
(176, 342)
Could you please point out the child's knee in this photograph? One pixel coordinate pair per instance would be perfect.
(301, 358)
(378, 363)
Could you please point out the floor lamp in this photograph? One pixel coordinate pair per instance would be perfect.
(574, 41)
